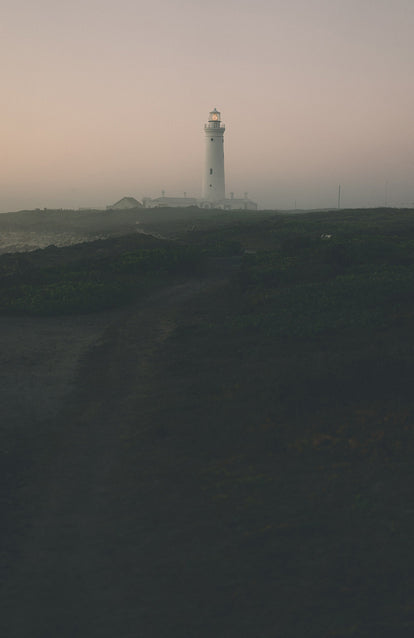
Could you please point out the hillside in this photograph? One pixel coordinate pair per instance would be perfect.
(217, 440)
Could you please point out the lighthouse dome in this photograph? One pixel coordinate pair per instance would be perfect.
(214, 116)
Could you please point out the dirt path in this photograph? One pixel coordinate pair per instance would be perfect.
(80, 561)
(39, 358)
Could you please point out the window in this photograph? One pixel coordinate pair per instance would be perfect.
(211, 171)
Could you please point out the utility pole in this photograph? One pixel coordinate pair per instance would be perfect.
(339, 196)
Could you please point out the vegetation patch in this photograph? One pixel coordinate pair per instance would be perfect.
(287, 395)
(31, 286)
(265, 434)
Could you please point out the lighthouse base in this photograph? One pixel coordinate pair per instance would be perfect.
(233, 203)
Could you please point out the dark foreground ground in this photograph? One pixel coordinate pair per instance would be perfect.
(97, 524)
(224, 451)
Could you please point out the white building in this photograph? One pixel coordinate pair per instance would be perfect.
(169, 202)
(237, 203)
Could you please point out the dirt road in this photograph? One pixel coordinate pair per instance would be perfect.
(94, 526)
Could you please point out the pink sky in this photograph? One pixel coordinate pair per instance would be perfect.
(107, 98)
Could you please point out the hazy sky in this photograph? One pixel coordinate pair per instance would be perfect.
(102, 99)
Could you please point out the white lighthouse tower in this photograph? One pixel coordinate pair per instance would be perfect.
(213, 177)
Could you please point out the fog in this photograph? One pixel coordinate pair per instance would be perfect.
(104, 99)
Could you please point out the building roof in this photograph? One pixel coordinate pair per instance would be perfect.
(126, 202)
(174, 201)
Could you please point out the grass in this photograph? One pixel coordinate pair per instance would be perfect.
(288, 401)
(31, 285)
(276, 428)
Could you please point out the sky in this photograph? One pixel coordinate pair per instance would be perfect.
(102, 99)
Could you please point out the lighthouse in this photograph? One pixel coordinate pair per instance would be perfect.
(214, 192)
(213, 177)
